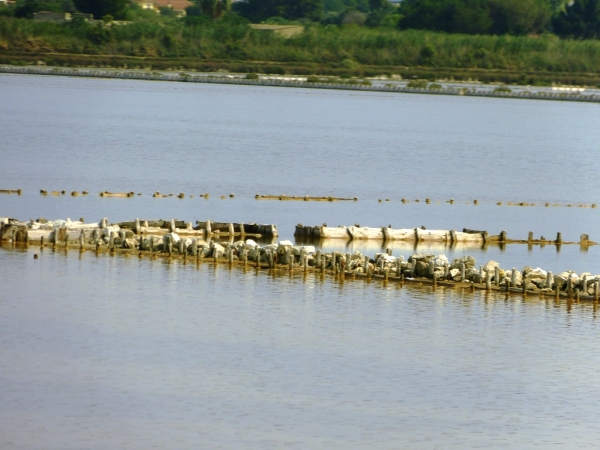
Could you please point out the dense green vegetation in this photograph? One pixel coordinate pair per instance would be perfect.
(212, 37)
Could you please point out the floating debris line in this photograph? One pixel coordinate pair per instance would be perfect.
(171, 241)
(305, 198)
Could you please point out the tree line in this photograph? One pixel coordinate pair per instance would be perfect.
(578, 19)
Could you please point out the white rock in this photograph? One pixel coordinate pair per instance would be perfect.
(173, 236)
(251, 244)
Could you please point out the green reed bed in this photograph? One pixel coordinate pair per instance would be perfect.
(232, 45)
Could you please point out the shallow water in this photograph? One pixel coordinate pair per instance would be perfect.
(144, 354)
(101, 352)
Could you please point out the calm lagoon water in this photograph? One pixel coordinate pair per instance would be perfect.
(126, 353)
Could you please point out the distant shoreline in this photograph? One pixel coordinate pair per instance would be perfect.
(183, 76)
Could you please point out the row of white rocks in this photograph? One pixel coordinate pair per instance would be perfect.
(418, 265)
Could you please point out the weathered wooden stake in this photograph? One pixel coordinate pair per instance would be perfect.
(530, 237)
(137, 227)
(497, 276)
(558, 238)
(513, 277)
(463, 270)
(549, 280)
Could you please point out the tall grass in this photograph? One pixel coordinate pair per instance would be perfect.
(346, 48)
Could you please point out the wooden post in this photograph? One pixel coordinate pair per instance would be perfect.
(549, 280)
(181, 247)
(81, 240)
(172, 226)
(245, 257)
(497, 276)
(305, 263)
(318, 259)
(558, 238)
(104, 223)
(463, 270)
(452, 236)
(366, 265)
(596, 290)
(257, 257)
(585, 284)
(530, 237)
(570, 286)
(503, 236)
(42, 243)
(513, 277)
(446, 270)
(485, 237)
(481, 280)
(208, 228)
(137, 227)
(230, 255)
(348, 261)
(231, 230)
(431, 268)
(488, 282)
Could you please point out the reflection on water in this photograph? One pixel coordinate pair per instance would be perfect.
(143, 354)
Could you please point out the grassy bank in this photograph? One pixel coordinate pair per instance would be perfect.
(232, 45)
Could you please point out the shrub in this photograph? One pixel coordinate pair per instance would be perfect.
(417, 84)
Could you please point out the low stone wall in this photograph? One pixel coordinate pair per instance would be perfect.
(422, 235)
(186, 77)
(284, 256)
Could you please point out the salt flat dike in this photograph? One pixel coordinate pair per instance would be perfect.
(575, 96)
(167, 240)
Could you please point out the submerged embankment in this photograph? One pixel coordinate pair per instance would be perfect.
(562, 95)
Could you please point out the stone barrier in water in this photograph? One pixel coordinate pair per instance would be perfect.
(418, 268)
(417, 235)
(124, 234)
